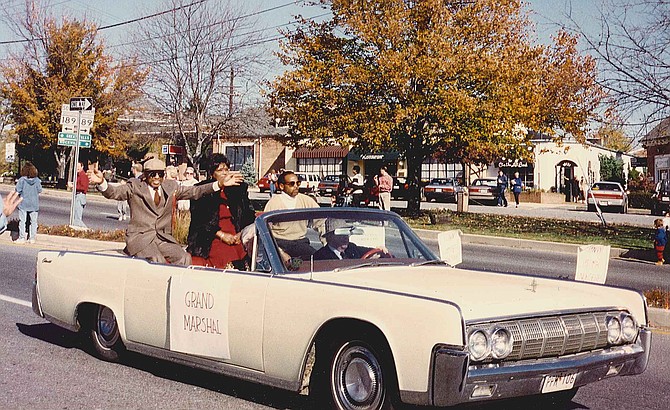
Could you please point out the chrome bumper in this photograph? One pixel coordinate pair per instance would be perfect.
(454, 380)
(36, 301)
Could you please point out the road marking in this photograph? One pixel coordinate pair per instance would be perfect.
(16, 301)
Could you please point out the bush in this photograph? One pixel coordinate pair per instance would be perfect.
(640, 199)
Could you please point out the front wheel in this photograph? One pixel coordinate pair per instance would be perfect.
(104, 335)
(357, 378)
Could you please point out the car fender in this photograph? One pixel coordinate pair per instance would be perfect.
(412, 325)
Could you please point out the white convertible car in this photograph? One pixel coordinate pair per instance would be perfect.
(388, 323)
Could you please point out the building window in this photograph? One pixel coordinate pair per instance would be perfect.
(321, 166)
(238, 155)
(431, 168)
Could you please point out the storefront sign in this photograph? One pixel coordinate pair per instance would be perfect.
(512, 164)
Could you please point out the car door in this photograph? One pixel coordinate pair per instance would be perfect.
(198, 311)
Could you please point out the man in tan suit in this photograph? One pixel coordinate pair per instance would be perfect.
(149, 233)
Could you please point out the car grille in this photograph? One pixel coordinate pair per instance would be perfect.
(554, 335)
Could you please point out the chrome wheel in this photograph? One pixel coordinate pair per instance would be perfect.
(107, 331)
(357, 378)
(104, 334)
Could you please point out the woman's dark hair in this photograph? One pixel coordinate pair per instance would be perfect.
(29, 170)
(214, 161)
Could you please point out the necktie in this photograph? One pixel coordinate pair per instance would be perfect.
(157, 197)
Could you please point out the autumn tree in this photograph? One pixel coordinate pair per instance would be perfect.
(614, 138)
(461, 80)
(197, 53)
(61, 59)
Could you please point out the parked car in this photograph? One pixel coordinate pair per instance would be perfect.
(330, 183)
(400, 188)
(661, 199)
(263, 184)
(483, 190)
(441, 189)
(309, 182)
(395, 325)
(609, 195)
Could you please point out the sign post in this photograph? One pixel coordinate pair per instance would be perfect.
(79, 125)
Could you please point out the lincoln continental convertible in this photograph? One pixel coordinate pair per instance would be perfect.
(351, 307)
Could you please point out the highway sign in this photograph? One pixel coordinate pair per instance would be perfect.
(81, 104)
(69, 140)
(69, 119)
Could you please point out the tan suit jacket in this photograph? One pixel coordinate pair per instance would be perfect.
(149, 223)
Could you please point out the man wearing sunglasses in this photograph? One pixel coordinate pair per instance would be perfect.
(151, 199)
(291, 236)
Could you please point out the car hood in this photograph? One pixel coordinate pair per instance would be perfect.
(483, 295)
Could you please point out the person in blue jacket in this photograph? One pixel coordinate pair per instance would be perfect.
(660, 240)
(8, 206)
(517, 187)
(29, 187)
(502, 187)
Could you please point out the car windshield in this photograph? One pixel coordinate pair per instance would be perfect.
(329, 239)
(604, 186)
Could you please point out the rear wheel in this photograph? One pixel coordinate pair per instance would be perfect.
(591, 208)
(104, 335)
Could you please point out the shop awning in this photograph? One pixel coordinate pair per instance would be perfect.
(322, 152)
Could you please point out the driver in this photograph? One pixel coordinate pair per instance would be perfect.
(337, 245)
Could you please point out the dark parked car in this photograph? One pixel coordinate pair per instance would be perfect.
(661, 199)
(400, 188)
(483, 190)
(441, 189)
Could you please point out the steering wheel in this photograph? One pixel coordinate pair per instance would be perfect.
(376, 252)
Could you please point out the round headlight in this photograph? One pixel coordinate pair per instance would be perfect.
(478, 345)
(628, 328)
(613, 330)
(501, 343)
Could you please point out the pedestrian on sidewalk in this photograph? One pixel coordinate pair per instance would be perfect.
(517, 187)
(8, 206)
(502, 187)
(660, 240)
(80, 196)
(28, 187)
(385, 183)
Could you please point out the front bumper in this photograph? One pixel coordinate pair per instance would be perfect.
(454, 380)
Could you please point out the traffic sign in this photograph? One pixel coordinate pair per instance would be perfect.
(69, 140)
(81, 103)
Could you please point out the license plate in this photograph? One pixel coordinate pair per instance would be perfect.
(329, 190)
(665, 198)
(559, 381)
(603, 203)
(438, 190)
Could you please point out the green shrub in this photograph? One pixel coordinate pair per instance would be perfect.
(640, 199)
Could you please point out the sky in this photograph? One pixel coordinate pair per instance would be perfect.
(270, 15)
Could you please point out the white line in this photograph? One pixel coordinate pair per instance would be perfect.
(15, 300)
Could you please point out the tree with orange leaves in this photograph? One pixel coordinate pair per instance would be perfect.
(458, 79)
(62, 59)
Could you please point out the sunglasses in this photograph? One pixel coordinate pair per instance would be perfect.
(292, 183)
(154, 174)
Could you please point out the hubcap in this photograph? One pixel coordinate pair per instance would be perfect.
(108, 333)
(357, 378)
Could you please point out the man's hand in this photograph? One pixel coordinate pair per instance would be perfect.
(230, 179)
(12, 200)
(95, 176)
